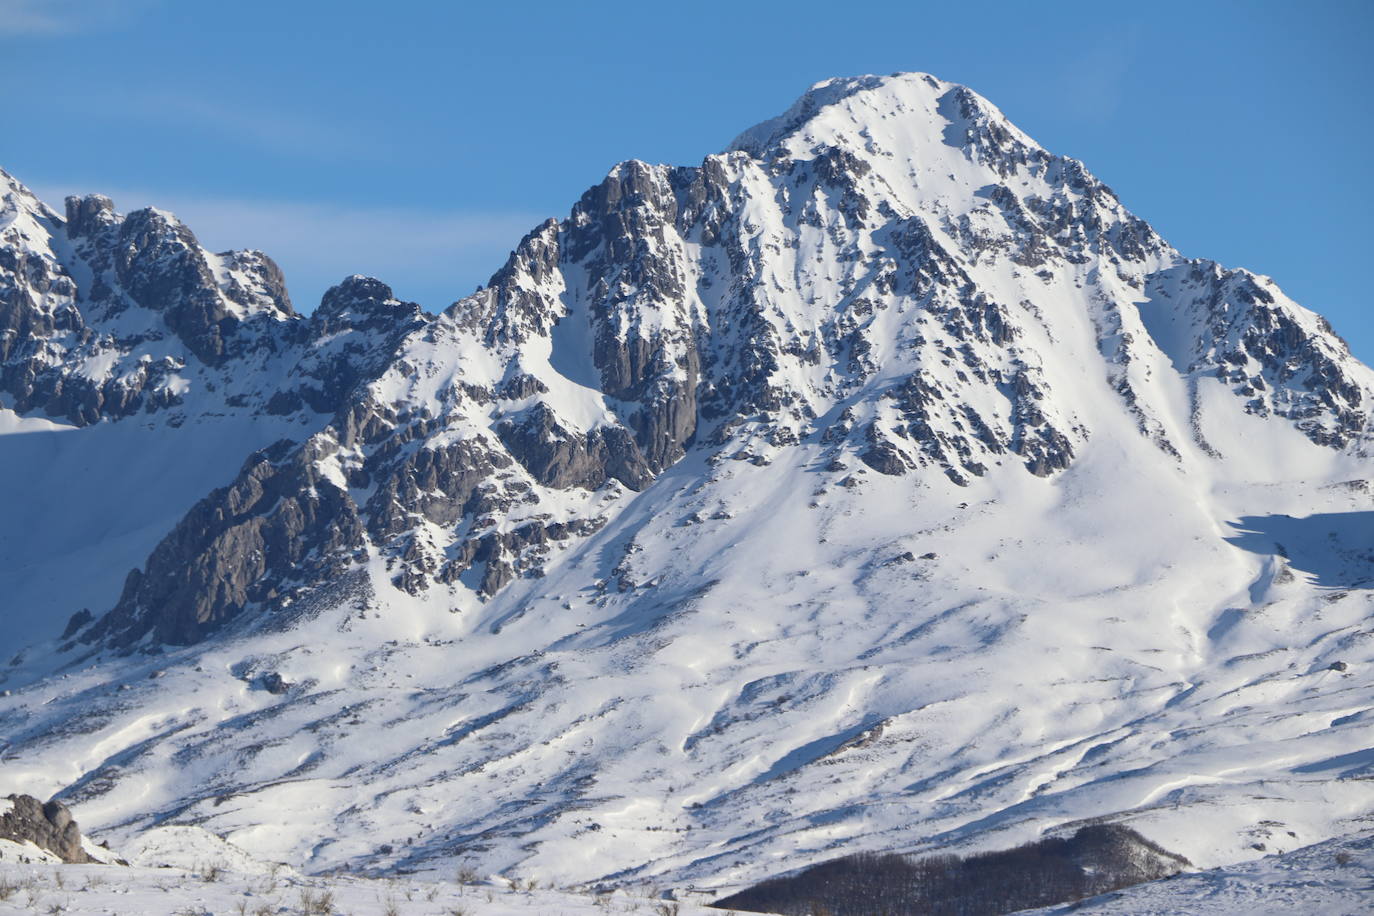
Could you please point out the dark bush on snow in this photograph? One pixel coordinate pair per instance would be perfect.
(1095, 860)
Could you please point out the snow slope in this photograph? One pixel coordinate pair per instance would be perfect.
(882, 483)
(1325, 879)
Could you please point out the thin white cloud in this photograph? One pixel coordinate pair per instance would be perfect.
(243, 123)
(257, 126)
(58, 17)
(28, 17)
(423, 251)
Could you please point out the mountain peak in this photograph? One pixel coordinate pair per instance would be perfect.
(19, 205)
(882, 114)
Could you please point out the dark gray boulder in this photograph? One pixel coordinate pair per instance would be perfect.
(48, 826)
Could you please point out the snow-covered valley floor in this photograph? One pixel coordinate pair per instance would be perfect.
(80, 890)
(1333, 878)
(185, 870)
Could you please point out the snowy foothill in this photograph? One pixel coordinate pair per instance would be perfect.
(212, 890)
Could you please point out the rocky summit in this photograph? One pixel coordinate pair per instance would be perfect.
(879, 484)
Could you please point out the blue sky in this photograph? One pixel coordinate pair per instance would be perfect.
(419, 140)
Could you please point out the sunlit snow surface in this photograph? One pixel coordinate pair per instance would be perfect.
(178, 871)
(1326, 879)
(185, 870)
(765, 659)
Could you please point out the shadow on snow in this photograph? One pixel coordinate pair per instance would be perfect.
(1336, 549)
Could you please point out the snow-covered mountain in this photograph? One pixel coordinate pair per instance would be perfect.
(172, 363)
(880, 483)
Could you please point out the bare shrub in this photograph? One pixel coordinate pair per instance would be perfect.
(1095, 860)
(315, 903)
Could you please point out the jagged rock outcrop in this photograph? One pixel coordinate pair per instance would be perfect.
(560, 458)
(348, 341)
(50, 826)
(159, 325)
(1239, 328)
(278, 532)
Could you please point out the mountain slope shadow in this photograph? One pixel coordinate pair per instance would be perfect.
(1335, 548)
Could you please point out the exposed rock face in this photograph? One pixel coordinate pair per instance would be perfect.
(49, 826)
(560, 458)
(160, 265)
(362, 323)
(279, 523)
(1236, 329)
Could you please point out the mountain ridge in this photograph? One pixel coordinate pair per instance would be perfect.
(722, 524)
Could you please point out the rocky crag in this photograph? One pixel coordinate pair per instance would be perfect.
(48, 826)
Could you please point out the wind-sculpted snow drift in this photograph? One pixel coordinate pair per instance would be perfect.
(879, 484)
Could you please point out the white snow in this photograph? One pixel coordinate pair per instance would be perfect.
(12, 853)
(1325, 879)
(215, 887)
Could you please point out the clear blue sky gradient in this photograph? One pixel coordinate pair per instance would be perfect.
(419, 140)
